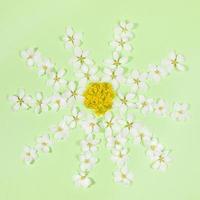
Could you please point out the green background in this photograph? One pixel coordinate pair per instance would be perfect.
(163, 26)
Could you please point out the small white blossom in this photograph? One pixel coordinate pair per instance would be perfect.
(29, 155)
(121, 43)
(56, 79)
(90, 125)
(89, 144)
(156, 72)
(40, 104)
(137, 81)
(44, 143)
(116, 61)
(74, 92)
(119, 156)
(82, 180)
(116, 142)
(129, 124)
(154, 148)
(110, 124)
(45, 67)
(57, 101)
(141, 135)
(114, 76)
(86, 74)
(175, 61)
(74, 118)
(87, 161)
(145, 104)
(160, 107)
(162, 161)
(31, 56)
(81, 58)
(125, 101)
(71, 38)
(60, 131)
(123, 176)
(180, 112)
(20, 101)
(124, 29)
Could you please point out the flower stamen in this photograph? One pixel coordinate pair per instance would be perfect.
(99, 97)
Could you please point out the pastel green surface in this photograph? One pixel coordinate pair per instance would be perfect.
(163, 26)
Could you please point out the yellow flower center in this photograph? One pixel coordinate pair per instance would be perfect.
(99, 96)
(71, 39)
(174, 62)
(129, 125)
(81, 59)
(20, 101)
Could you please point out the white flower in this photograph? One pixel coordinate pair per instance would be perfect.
(162, 161)
(57, 101)
(123, 176)
(124, 29)
(90, 125)
(116, 61)
(156, 72)
(74, 118)
(81, 58)
(121, 43)
(145, 104)
(60, 131)
(32, 56)
(86, 74)
(74, 92)
(119, 156)
(89, 144)
(40, 104)
(71, 38)
(175, 61)
(129, 124)
(45, 67)
(87, 161)
(110, 124)
(116, 142)
(29, 155)
(56, 79)
(81, 179)
(114, 76)
(44, 143)
(180, 112)
(160, 107)
(154, 148)
(125, 101)
(20, 101)
(137, 81)
(141, 135)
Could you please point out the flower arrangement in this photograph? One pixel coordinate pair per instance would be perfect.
(101, 100)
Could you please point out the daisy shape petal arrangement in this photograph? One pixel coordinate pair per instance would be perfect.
(101, 100)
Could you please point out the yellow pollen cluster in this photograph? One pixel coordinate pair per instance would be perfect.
(99, 96)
